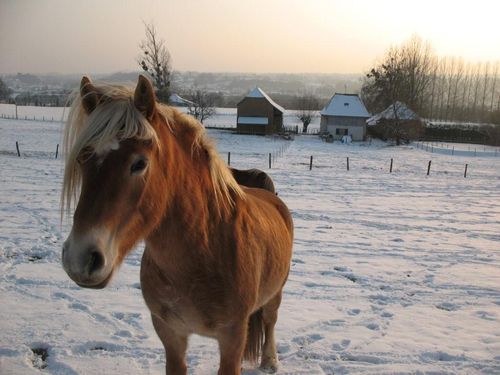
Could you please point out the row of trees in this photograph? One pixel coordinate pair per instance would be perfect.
(448, 89)
(4, 91)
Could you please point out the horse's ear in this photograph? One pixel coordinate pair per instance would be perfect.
(89, 95)
(144, 97)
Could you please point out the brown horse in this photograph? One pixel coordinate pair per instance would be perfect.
(253, 178)
(217, 254)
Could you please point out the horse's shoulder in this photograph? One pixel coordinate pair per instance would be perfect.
(264, 198)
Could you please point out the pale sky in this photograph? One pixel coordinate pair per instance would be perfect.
(288, 36)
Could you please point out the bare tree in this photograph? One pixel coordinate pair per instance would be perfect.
(405, 75)
(430, 110)
(5, 91)
(201, 104)
(486, 77)
(476, 90)
(155, 60)
(307, 105)
(493, 85)
(465, 88)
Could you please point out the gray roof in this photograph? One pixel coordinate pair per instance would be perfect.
(258, 93)
(175, 99)
(348, 105)
(399, 109)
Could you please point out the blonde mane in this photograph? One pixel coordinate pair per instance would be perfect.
(225, 187)
(115, 119)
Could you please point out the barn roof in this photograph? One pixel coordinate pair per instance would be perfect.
(401, 111)
(258, 93)
(348, 105)
(177, 100)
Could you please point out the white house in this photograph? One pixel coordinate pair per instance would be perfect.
(345, 114)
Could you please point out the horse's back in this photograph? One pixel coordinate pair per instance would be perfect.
(253, 178)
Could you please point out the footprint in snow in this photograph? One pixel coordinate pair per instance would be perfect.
(354, 312)
(485, 315)
(341, 269)
(132, 319)
(373, 326)
(448, 306)
(123, 333)
(60, 295)
(343, 345)
(387, 314)
(307, 339)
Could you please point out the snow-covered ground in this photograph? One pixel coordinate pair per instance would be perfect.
(223, 118)
(391, 273)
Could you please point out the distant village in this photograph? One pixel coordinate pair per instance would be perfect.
(334, 98)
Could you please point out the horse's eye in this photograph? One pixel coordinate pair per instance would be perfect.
(138, 166)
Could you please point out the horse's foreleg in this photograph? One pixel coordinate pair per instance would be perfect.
(175, 347)
(232, 342)
(269, 361)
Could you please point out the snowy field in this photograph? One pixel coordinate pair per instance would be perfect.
(223, 118)
(391, 274)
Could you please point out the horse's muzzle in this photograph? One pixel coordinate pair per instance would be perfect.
(86, 264)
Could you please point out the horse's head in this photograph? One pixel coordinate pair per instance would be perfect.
(112, 154)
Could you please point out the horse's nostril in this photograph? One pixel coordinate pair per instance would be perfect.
(96, 261)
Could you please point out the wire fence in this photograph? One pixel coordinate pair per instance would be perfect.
(31, 118)
(458, 150)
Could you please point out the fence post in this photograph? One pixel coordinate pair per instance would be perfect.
(465, 172)
(17, 148)
(429, 167)
(229, 158)
(57, 150)
(348, 163)
(390, 169)
(311, 163)
(453, 150)
(269, 160)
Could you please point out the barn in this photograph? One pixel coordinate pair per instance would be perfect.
(257, 113)
(396, 122)
(345, 114)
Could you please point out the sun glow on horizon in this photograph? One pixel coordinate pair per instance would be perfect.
(289, 36)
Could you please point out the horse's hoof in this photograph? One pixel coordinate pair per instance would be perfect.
(270, 366)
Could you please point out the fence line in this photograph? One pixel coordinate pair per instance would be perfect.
(31, 118)
(271, 157)
(447, 149)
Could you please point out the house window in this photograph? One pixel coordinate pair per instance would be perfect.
(340, 131)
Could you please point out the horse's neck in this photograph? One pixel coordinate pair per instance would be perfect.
(191, 217)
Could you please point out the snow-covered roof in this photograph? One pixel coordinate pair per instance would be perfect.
(349, 105)
(258, 93)
(175, 99)
(399, 109)
(246, 120)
